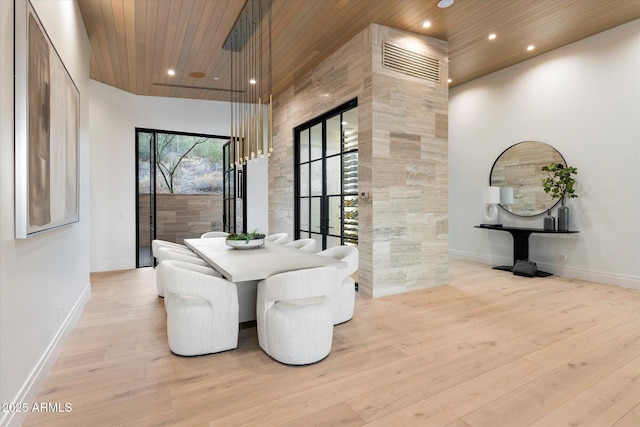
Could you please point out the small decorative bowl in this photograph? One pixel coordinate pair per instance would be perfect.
(243, 244)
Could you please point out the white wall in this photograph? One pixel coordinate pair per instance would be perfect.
(114, 116)
(44, 280)
(258, 195)
(583, 99)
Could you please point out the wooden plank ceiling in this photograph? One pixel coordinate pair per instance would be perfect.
(135, 42)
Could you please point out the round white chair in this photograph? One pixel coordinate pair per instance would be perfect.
(305, 245)
(295, 316)
(344, 296)
(157, 244)
(202, 310)
(278, 238)
(172, 254)
(214, 234)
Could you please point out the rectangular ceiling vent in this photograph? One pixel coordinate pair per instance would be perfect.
(410, 63)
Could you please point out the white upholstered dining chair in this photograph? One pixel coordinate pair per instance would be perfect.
(172, 254)
(305, 245)
(344, 295)
(202, 310)
(157, 244)
(295, 316)
(278, 238)
(210, 234)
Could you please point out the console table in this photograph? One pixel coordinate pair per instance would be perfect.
(521, 243)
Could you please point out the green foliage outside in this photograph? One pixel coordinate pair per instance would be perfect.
(185, 164)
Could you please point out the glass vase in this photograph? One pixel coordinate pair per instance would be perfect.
(563, 216)
(549, 222)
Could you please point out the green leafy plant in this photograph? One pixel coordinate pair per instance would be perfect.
(246, 236)
(560, 182)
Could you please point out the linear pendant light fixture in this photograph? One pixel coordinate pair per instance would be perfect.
(251, 82)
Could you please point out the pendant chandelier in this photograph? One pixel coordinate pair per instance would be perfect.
(251, 83)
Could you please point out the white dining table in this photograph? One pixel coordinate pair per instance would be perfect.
(246, 267)
(240, 265)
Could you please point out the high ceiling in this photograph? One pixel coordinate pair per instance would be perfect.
(135, 42)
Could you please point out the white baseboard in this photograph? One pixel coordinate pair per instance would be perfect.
(115, 265)
(479, 258)
(623, 280)
(34, 381)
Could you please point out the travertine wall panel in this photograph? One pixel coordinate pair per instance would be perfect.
(182, 216)
(402, 158)
(410, 128)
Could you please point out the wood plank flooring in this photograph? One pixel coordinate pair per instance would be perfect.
(490, 349)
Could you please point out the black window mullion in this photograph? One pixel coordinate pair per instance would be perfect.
(342, 175)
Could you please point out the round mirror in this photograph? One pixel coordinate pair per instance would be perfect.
(517, 171)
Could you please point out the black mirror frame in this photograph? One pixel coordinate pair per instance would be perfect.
(553, 202)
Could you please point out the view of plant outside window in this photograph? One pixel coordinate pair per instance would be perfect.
(185, 164)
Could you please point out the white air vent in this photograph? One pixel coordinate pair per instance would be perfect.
(410, 63)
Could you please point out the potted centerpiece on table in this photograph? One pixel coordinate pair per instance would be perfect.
(559, 183)
(245, 240)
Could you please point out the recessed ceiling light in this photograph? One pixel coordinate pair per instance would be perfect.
(171, 72)
(492, 36)
(252, 81)
(445, 3)
(426, 24)
(216, 78)
(530, 47)
(449, 80)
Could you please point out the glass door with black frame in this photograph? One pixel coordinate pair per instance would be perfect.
(184, 186)
(145, 176)
(326, 178)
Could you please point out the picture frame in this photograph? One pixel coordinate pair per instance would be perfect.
(47, 123)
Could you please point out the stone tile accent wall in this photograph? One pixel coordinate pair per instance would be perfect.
(403, 166)
(182, 216)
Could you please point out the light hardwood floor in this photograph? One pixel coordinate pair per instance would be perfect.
(490, 349)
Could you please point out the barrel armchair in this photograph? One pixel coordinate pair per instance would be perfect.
(210, 234)
(202, 310)
(343, 297)
(167, 253)
(278, 238)
(157, 244)
(305, 245)
(295, 316)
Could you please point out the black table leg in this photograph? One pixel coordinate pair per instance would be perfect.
(521, 250)
(520, 244)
